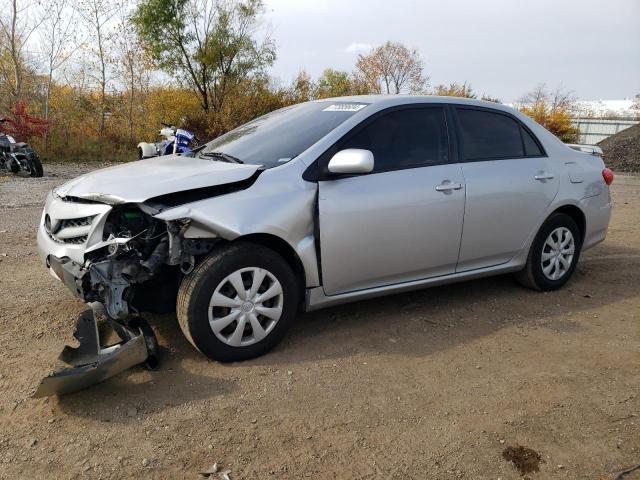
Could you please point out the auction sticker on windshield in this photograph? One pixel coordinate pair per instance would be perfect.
(345, 107)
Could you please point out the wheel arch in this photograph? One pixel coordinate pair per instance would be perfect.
(577, 215)
(283, 248)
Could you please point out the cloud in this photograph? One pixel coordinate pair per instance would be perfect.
(358, 48)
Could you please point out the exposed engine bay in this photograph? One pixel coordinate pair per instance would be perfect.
(122, 271)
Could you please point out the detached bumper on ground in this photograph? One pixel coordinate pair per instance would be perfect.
(91, 363)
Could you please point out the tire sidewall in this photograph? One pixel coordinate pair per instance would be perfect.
(210, 277)
(555, 221)
(33, 161)
(35, 164)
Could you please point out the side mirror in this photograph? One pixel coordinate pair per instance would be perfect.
(351, 161)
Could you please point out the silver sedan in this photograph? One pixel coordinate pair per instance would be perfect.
(323, 203)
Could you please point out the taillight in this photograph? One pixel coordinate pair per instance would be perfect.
(607, 174)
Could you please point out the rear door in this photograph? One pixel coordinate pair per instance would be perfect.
(401, 222)
(510, 184)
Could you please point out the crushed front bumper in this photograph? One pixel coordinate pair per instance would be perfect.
(91, 363)
(102, 282)
(67, 229)
(69, 272)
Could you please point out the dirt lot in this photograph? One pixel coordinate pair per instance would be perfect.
(431, 384)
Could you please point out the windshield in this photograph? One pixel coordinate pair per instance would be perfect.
(280, 136)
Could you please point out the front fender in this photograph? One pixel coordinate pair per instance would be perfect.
(279, 203)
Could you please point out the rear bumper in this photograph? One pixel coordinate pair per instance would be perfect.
(598, 214)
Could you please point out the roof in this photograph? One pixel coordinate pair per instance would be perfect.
(383, 101)
(405, 99)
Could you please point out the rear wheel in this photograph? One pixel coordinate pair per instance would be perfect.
(34, 164)
(554, 254)
(30, 164)
(238, 303)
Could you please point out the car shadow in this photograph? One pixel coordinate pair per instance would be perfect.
(425, 321)
(414, 324)
(182, 377)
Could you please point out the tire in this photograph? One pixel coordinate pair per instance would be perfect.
(35, 165)
(213, 276)
(540, 274)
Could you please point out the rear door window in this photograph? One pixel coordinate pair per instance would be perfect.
(407, 138)
(487, 135)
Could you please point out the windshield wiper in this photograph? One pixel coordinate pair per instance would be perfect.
(225, 157)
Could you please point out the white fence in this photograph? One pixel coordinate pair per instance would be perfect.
(594, 130)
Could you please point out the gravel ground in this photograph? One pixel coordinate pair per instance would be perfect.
(443, 383)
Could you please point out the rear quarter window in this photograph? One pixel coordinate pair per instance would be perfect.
(531, 146)
(488, 135)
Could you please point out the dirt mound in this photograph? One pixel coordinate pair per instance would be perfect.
(622, 150)
(523, 458)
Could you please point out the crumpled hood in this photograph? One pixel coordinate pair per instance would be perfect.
(144, 179)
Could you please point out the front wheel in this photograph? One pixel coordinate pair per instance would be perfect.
(238, 303)
(554, 254)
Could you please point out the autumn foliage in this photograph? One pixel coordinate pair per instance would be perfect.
(23, 126)
(553, 110)
(110, 73)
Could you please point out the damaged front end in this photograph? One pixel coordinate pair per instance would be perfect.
(135, 250)
(134, 266)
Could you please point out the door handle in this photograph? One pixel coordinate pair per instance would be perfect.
(545, 176)
(448, 186)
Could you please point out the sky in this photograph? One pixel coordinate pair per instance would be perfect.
(502, 47)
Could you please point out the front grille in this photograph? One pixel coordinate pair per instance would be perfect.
(73, 231)
(76, 240)
(75, 222)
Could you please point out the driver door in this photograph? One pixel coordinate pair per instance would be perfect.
(403, 221)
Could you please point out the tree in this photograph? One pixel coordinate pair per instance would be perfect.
(303, 88)
(455, 89)
(636, 106)
(209, 44)
(463, 90)
(132, 67)
(490, 98)
(24, 126)
(335, 83)
(56, 41)
(16, 27)
(553, 110)
(392, 68)
(97, 15)
(252, 98)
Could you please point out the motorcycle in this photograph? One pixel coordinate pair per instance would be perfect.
(18, 157)
(176, 140)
